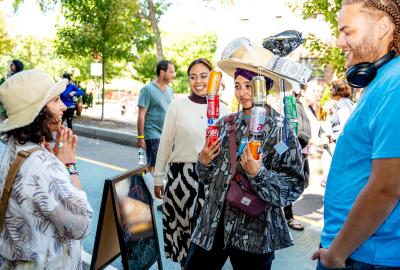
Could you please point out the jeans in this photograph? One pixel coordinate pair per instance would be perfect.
(151, 151)
(356, 265)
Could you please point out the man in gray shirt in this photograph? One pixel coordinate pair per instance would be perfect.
(154, 100)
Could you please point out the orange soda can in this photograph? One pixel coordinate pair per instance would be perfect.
(255, 148)
(214, 82)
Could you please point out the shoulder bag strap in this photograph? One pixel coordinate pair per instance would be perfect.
(232, 142)
(21, 156)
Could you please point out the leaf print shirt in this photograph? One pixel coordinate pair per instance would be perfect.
(46, 217)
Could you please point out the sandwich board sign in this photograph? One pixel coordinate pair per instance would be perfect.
(126, 225)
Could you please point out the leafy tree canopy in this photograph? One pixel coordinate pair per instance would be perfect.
(327, 53)
(104, 28)
(6, 43)
(181, 49)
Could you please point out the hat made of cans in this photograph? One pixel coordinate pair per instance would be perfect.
(242, 53)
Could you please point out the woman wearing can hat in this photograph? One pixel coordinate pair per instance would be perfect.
(223, 230)
(47, 214)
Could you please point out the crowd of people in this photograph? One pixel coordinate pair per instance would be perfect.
(220, 198)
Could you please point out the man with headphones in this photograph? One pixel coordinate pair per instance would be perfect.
(361, 206)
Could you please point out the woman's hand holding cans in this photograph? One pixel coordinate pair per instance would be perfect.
(209, 153)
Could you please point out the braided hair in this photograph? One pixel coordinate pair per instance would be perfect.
(390, 8)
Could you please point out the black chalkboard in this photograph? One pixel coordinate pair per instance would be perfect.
(126, 224)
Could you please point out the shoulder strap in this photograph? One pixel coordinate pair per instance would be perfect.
(21, 156)
(232, 141)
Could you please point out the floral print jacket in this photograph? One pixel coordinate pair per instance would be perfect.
(46, 217)
(279, 182)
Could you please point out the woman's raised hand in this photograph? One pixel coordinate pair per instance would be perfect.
(209, 153)
(249, 164)
(65, 146)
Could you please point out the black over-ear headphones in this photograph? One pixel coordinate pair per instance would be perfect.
(360, 75)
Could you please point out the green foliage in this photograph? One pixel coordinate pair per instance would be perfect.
(327, 53)
(181, 50)
(145, 66)
(103, 27)
(327, 8)
(35, 53)
(6, 43)
(185, 48)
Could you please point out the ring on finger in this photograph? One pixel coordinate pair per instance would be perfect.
(60, 144)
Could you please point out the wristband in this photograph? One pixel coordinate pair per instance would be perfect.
(71, 168)
(140, 137)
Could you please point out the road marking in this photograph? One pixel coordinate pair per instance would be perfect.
(319, 223)
(102, 164)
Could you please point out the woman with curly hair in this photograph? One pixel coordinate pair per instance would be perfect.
(47, 214)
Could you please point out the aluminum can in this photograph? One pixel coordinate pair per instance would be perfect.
(214, 82)
(213, 132)
(213, 106)
(259, 90)
(257, 121)
(255, 148)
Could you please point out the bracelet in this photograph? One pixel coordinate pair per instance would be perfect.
(71, 168)
(140, 137)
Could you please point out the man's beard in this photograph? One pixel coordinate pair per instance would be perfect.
(367, 51)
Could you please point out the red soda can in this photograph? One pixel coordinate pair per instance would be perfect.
(213, 132)
(212, 106)
(214, 82)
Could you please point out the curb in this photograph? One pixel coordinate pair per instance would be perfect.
(106, 134)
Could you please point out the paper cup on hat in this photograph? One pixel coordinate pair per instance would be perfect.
(25, 94)
(241, 53)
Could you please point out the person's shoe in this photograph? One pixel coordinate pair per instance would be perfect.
(295, 224)
(159, 208)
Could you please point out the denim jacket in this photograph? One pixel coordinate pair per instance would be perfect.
(279, 182)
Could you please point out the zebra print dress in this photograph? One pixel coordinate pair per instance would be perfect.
(184, 198)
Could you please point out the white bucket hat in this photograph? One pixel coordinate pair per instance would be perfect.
(241, 53)
(25, 94)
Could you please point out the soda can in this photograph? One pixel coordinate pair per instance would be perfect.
(214, 82)
(290, 107)
(257, 121)
(259, 90)
(255, 148)
(212, 106)
(213, 132)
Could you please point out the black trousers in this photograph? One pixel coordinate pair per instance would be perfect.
(200, 259)
(69, 115)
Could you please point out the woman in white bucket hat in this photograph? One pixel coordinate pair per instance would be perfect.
(225, 228)
(46, 214)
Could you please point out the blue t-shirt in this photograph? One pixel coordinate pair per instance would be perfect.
(156, 102)
(371, 132)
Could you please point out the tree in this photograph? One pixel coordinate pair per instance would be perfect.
(152, 11)
(181, 49)
(184, 49)
(105, 30)
(327, 53)
(6, 43)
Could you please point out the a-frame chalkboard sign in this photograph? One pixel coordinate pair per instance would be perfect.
(126, 224)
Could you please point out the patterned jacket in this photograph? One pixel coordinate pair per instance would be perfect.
(47, 216)
(279, 182)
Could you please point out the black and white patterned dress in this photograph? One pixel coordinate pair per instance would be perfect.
(182, 139)
(184, 198)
